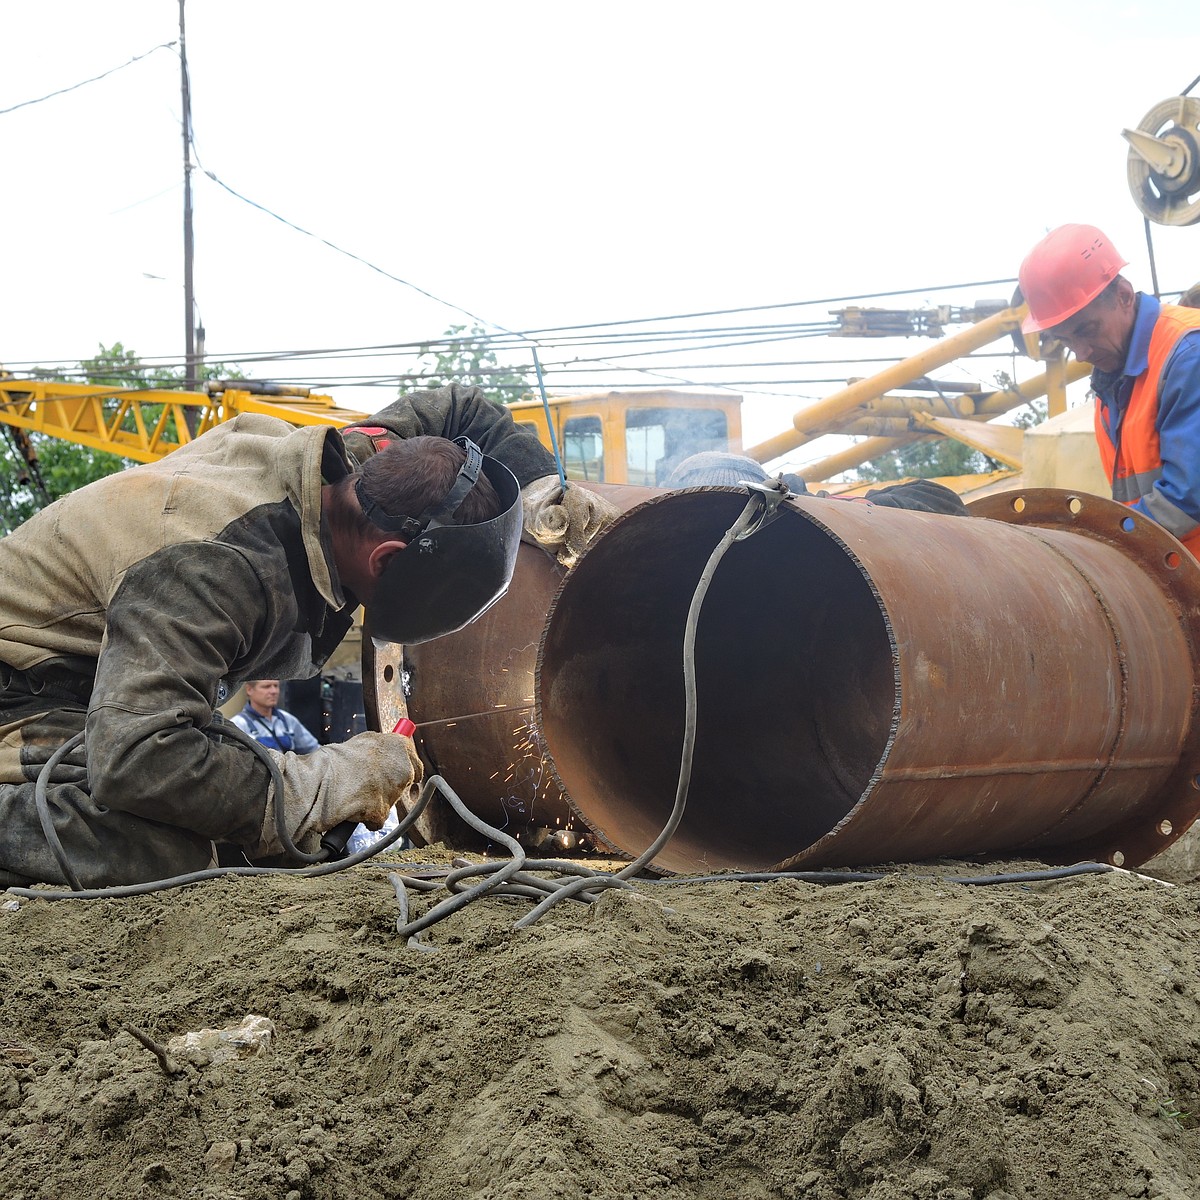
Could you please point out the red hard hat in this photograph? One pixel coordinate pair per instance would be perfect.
(1064, 272)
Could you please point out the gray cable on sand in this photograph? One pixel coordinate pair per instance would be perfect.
(512, 878)
(746, 523)
(42, 803)
(122, 891)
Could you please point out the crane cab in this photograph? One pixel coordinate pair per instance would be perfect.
(633, 437)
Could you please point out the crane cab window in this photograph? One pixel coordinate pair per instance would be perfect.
(583, 448)
(659, 439)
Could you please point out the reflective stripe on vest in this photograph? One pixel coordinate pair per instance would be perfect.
(1133, 487)
(1133, 463)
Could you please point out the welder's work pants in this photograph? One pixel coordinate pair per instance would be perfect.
(103, 846)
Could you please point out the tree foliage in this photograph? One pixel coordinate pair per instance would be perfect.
(466, 355)
(927, 460)
(36, 468)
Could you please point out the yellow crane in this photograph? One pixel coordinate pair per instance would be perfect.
(616, 437)
(146, 423)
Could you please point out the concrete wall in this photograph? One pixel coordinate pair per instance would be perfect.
(1062, 453)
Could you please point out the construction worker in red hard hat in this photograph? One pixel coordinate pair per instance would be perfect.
(1146, 371)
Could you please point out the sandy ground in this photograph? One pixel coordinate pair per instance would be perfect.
(907, 1038)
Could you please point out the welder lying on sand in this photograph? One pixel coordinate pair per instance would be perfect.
(131, 606)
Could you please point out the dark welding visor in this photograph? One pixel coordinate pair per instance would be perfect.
(446, 575)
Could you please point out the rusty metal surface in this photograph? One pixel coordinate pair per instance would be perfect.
(471, 696)
(880, 685)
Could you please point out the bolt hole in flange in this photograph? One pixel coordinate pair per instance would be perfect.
(1117, 858)
(1018, 504)
(1171, 559)
(1075, 504)
(1166, 828)
(389, 673)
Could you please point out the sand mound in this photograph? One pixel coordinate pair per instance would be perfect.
(880, 1041)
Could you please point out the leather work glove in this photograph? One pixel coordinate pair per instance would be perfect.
(358, 780)
(562, 522)
(919, 495)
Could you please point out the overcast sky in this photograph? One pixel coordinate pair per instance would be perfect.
(545, 164)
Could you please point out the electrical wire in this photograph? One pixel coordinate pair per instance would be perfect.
(1150, 256)
(604, 333)
(42, 804)
(830, 877)
(759, 510)
(720, 312)
(123, 891)
(85, 82)
(340, 250)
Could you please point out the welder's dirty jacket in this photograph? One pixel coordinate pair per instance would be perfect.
(150, 587)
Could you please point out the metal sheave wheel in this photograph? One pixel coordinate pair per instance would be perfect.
(1164, 162)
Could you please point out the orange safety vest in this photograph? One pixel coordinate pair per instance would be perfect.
(1134, 462)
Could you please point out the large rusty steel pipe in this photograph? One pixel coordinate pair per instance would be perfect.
(878, 685)
(471, 697)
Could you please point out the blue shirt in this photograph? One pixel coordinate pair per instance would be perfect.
(279, 731)
(1175, 502)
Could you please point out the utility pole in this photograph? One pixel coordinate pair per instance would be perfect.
(189, 302)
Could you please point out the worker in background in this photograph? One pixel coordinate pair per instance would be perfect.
(1145, 360)
(129, 609)
(268, 724)
(715, 468)
(1191, 298)
(276, 728)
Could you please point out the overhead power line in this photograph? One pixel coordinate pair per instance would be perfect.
(341, 250)
(656, 341)
(720, 312)
(85, 82)
(537, 336)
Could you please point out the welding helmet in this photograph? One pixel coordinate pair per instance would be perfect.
(1064, 273)
(447, 574)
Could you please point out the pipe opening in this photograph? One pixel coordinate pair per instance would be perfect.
(775, 767)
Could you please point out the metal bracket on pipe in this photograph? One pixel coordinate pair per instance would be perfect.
(771, 493)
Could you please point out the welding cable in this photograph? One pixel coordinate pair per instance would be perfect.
(42, 804)
(556, 890)
(522, 883)
(414, 941)
(513, 878)
(230, 730)
(749, 521)
(121, 891)
(509, 878)
(829, 877)
(226, 729)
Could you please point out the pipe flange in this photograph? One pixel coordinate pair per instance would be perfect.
(1177, 573)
